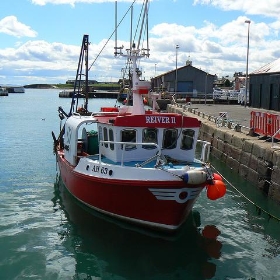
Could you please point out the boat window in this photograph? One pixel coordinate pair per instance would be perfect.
(105, 135)
(149, 135)
(187, 139)
(169, 138)
(128, 135)
(111, 138)
(100, 134)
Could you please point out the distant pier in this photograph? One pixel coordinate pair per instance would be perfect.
(3, 91)
(95, 94)
(15, 89)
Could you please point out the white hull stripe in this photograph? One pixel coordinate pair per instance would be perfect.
(179, 195)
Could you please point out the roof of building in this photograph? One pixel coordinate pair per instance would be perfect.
(272, 67)
(182, 67)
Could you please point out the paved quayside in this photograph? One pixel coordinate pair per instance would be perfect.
(251, 156)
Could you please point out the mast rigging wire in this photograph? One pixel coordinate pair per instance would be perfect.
(130, 7)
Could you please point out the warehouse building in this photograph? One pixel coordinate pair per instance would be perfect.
(264, 87)
(186, 81)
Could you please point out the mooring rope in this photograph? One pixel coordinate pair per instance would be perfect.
(258, 208)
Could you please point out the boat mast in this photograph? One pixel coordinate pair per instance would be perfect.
(133, 54)
(116, 27)
(79, 82)
(86, 44)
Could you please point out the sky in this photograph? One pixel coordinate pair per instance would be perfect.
(40, 40)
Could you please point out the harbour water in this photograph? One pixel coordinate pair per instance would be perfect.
(45, 234)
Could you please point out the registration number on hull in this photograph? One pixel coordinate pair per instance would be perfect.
(100, 169)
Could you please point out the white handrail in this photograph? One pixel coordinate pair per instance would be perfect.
(205, 151)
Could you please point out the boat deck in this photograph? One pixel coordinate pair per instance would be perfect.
(148, 163)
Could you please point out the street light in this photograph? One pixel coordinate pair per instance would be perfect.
(246, 79)
(176, 73)
(155, 69)
(205, 90)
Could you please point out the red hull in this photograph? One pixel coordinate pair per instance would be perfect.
(127, 199)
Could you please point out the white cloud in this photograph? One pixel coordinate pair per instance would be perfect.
(39, 55)
(218, 49)
(73, 2)
(269, 8)
(11, 26)
(55, 62)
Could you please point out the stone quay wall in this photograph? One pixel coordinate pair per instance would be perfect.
(252, 158)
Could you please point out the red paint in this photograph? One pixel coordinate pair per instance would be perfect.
(126, 198)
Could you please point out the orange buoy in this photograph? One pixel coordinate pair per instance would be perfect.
(221, 186)
(216, 190)
(216, 176)
(212, 192)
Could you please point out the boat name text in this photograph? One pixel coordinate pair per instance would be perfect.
(159, 119)
(102, 170)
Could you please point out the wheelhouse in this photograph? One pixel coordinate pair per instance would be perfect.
(113, 138)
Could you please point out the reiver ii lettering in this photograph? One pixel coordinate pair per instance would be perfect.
(160, 119)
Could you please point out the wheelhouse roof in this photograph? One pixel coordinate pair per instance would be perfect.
(150, 120)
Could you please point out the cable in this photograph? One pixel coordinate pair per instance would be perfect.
(258, 208)
(111, 35)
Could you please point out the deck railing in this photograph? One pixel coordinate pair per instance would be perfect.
(205, 150)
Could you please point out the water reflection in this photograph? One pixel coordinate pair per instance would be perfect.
(109, 250)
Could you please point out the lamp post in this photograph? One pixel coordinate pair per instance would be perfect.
(155, 79)
(205, 90)
(246, 79)
(176, 73)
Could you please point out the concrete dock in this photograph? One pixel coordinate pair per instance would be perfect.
(252, 156)
(237, 113)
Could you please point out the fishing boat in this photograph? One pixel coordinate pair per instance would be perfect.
(132, 162)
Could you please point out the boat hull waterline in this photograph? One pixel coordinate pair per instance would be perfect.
(162, 205)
